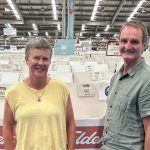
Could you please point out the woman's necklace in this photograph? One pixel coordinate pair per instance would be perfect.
(38, 93)
(39, 97)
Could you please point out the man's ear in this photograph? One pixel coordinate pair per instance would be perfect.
(26, 58)
(145, 46)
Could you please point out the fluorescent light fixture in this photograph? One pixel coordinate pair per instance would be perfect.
(83, 27)
(8, 25)
(34, 26)
(98, 34)
(107, 27)
(116, 35)
(95, 9)
(58, 27)
(135, 10)
(46, 33)
(35, 34)
(29, 33)
(14, 9)
(54, 10)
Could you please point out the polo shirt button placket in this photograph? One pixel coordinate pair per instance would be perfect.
(103, 142)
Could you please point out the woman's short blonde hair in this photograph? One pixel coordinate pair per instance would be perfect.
(37, 43)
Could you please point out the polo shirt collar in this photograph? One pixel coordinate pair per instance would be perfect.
(135, 68)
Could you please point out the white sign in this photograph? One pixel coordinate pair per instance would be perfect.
(86, 90)
(10, 31)
(103, 90)
(113, 48)
(2, 91)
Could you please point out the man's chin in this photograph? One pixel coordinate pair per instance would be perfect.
(128, 58)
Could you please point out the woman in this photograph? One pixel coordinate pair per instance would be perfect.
(39, 107)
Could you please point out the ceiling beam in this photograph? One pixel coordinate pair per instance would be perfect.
(17, 9)
(50, 22)
(117, 12)
(11, 21)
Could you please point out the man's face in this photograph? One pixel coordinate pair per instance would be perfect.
(131, 46)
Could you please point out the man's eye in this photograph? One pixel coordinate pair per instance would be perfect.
(134, 42)
(123, 41)
(46, 60)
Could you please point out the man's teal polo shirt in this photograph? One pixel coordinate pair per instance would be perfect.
(127, 104)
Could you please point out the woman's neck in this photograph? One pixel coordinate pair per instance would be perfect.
(36, 83)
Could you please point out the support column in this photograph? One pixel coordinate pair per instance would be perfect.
(70, 25)
(64, 19)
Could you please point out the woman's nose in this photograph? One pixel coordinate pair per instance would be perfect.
(40, 61)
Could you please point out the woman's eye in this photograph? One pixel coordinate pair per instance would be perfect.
(36, 58)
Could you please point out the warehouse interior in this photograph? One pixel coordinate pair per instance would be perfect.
(90, 17)
(84, 37)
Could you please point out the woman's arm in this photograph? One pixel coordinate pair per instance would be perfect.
(71, 127)
(8, 123)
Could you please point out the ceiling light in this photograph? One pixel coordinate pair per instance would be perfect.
(135, 10)
(14, 9)
(8, 25)
(58, 26)
(83, 27)
(34, 26)
(95, 9)
(116, 35)
(54, 10)
(35, 34)
(29, 33)
(107, 27)
(46, 33)
(42, 9)
(143, 11)
(98, 34)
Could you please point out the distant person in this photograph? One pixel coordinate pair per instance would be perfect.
(39, 108)
(127, 125)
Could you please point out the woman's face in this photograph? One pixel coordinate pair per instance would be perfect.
(131, 44)
(38, 62)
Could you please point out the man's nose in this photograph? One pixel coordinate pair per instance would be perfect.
(128, 45)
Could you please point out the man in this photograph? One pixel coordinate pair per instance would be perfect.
(127, 125)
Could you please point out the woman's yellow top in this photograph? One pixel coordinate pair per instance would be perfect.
(39, 125)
